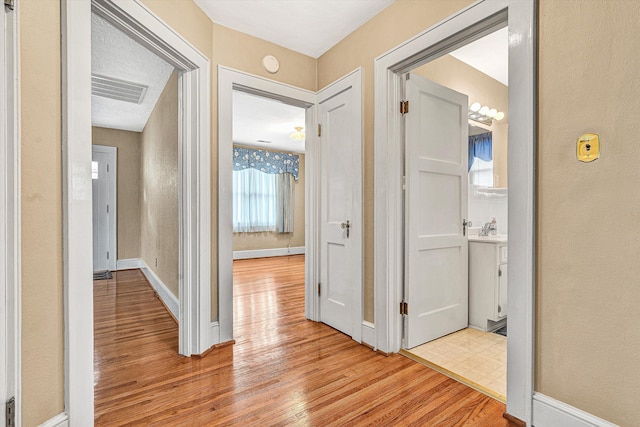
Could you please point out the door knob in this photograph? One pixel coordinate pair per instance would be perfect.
(347, 226)
(465, 224)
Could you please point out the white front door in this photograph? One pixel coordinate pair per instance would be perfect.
(340, 146)
(436, 248)
(103, 171)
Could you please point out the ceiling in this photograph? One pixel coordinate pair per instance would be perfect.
(257, 119)
(310, 27)
(489, 55)
(115, 55)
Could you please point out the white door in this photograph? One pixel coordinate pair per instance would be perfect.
(103, 171)
(340, 146)
(436, 248)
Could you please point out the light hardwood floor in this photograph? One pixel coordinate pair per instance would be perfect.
(283, 369)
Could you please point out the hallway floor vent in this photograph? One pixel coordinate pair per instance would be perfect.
(108, 87)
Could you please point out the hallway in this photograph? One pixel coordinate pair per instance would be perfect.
(283, 369)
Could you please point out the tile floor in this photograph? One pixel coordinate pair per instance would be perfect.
(476, 358)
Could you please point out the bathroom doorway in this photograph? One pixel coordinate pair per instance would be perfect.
(455, 277)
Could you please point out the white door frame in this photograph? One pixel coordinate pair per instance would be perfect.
(10, 299)
(112, 152)
(228, 80)
(132, 17)
(471, 23)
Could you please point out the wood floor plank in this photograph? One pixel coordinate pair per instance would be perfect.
(283, 370)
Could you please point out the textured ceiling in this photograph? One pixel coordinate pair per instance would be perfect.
(257, 118)
(310, 27)
(114, 54)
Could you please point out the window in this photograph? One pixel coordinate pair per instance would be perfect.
(254, 201)
(481, 173)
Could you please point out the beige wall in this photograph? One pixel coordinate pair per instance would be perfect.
(159, 179)
(454, 74)
(588, 292)
(41, 216)
(128, 186)
(271, 240)
(400, 21)
(233, 49)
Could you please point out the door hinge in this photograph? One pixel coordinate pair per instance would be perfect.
(10, 4)
(404, 183)
(404, 308)
(318, 288)
(404, 107)
(107, 167)
(499, 309)
(319, 129)
(107, 254)
(107, 208)
(499, 272)
(10, 408)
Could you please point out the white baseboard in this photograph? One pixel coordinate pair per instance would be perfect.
(60, 420)
(264, 253)
(549, 412)
(167, 297)
(128, 264)
(369, 334)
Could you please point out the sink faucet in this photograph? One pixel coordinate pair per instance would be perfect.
(485, 230)
(488, 228)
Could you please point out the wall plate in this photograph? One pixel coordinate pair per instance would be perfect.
(588, 147)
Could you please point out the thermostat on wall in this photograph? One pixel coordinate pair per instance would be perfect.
(271, 64)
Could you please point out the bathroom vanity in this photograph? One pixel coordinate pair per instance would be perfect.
(488, 282)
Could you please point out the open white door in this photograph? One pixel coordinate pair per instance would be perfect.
(103, 171)
(340, 141)
(436, 247)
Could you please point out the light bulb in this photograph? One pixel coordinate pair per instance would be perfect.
(475, 107)
(484, 110)
(492, 112)
(499, 115)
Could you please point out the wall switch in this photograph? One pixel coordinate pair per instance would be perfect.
(588, 147)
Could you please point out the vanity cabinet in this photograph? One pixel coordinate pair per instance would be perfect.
(487, 284)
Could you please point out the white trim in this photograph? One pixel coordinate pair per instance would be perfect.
(167, 297)
(227, 80)
(112, 152)
(214, 332)
(470, 23)
(132, 17)
(551, 412)
(10, 252)
(369, 334)
(60, 420)
(266, 253)
(129, 263)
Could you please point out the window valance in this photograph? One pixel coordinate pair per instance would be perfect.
(265, 161)
(480, 146)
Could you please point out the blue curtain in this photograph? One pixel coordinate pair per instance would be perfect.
(480, 146)
(265, 161)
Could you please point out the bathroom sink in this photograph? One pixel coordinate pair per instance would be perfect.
(498, 238)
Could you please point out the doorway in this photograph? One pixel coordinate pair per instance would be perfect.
(194, 212)
(468, 25)
(456, 292)
(349, 88)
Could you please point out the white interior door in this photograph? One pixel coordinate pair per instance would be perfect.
(103, 170)
(436, 247)
(340, 144)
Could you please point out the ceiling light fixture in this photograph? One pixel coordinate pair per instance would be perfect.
(298, 135)
(484, 114)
